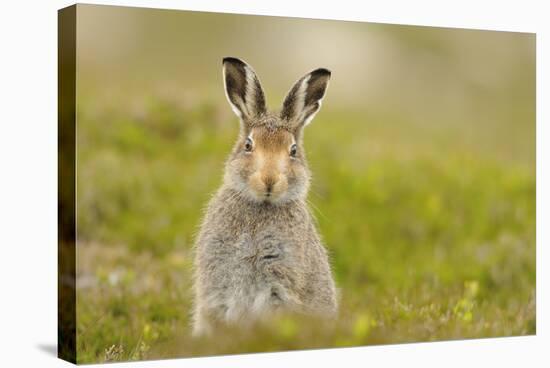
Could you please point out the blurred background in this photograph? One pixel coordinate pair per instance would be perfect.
(423, 161)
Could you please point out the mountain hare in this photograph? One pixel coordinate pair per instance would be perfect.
(258, 250)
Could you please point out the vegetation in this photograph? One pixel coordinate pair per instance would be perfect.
(431, 234)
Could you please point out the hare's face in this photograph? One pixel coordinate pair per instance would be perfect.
(268, 166)
(267, 163)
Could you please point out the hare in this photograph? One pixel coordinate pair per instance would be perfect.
(258, 250)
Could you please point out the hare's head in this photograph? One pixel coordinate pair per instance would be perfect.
(268, 163)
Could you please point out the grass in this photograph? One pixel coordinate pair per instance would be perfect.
(431, 231)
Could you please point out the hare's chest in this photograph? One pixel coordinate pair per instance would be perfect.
(257, 265)
(257, 251)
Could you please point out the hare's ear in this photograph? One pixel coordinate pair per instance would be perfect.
(305, 97)
(243, 89)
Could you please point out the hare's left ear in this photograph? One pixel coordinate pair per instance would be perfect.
(243, 89)
(304, 99)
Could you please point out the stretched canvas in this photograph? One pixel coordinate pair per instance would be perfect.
(238, 183)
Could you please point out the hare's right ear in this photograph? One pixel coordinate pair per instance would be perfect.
(243, 89)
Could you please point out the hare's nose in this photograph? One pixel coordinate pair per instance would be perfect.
(269, 182)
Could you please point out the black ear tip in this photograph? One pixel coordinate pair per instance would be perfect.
(321, 72)
(232, 60)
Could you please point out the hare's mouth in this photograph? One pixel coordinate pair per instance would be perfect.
(267, 197)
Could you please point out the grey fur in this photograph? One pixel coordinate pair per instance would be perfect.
(258, 252)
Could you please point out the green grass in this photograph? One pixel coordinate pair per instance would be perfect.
(431, 230)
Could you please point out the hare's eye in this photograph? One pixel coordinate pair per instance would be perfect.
(293, 150)
(248, 145)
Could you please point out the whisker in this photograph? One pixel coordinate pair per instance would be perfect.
(317, 209)
(314, 192)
